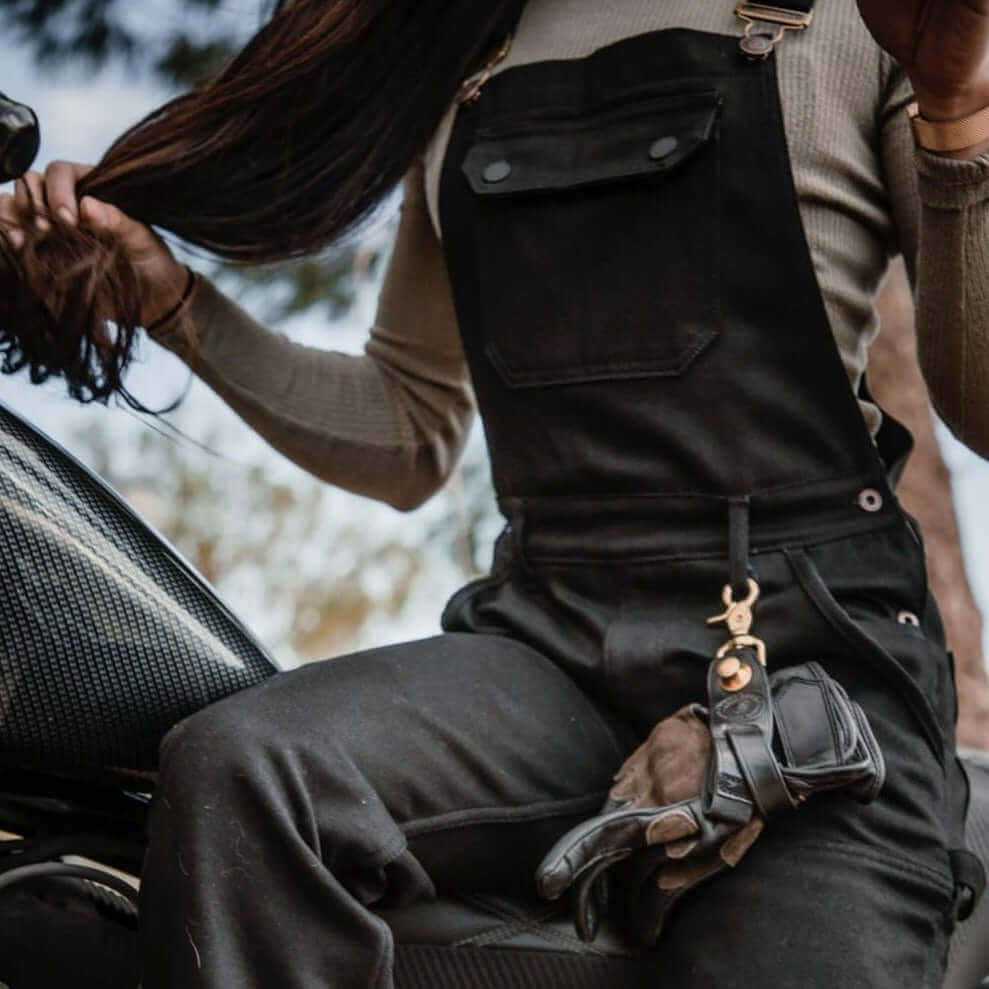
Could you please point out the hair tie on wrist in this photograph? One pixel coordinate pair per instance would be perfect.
(161, 321)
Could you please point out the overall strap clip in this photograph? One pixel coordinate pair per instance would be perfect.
(756, 43)
(738, 617)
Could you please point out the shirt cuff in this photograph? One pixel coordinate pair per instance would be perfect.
(952, 183)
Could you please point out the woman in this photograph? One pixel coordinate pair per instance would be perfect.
(660, 257)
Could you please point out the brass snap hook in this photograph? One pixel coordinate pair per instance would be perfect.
(738, 617)
(738, 614)
(761, 45)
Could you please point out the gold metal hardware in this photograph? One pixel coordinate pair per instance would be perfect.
(743, 642)
(734, 674)
(729, 668)
(738, 617)
(740, 680)
(738, 614)
(470, 88)
(761, 45)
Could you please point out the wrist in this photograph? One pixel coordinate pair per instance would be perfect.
(169, 299)
(955, 103)
(956, 128)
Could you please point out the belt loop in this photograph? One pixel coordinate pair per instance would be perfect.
(738, 546)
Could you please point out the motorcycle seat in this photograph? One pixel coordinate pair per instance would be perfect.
(480, 941)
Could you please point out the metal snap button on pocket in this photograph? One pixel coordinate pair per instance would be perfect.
(663, 148)
(908, 618)
(870, 500)
(497, 171)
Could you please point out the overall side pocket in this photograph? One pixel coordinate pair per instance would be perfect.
(914, 672)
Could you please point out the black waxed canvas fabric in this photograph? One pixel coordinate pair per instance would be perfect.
(648, 346)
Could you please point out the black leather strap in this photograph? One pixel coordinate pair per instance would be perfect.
(738, 546)
(804, 6)
(761, 770)
(727, 796)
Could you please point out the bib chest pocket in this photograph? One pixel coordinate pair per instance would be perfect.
(598, 239)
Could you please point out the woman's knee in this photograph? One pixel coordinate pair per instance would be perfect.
(222, 741)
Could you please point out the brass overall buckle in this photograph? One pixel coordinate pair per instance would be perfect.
(761, 45)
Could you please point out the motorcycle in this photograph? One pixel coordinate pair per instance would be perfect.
(108, 638)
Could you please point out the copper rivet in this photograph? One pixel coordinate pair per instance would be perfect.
(908, 618)
(729, 668)
(738, 682)
(870, 500)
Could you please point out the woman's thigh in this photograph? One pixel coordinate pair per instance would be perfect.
(800, 914)
(472, 751)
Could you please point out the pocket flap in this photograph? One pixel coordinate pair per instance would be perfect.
(650, 137)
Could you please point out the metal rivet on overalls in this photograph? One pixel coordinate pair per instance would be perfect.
(497, 171)
(870, 500)
(908, 618)
(663, 148)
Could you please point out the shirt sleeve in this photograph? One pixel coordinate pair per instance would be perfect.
(389, 424)
(941, 208)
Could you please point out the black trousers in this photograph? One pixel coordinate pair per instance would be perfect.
(454, 762)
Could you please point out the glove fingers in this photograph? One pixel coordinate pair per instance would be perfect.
(589, 905)
(676, 874)
(738, 844)
(608, 838)
(675, 828)
(688, 872)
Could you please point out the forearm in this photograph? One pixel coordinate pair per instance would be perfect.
(390, 424)
(952, 289)
(374, 424)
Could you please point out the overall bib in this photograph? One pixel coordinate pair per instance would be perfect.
(667, 413)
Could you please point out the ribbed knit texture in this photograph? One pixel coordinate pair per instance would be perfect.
(391, 424)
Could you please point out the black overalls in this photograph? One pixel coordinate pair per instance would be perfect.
(667, 413)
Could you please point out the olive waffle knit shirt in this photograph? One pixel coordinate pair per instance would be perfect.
(391, 423)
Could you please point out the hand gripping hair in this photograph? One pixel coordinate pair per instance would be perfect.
(286, 150)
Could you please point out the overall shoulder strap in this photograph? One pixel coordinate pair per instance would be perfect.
(794, 6)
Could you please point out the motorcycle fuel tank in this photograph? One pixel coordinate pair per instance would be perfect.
(107, 636)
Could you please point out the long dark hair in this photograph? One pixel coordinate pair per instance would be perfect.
(287, 149)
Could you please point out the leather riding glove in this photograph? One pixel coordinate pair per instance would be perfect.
(692, 799)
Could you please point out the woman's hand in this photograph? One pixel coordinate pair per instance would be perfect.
(163, 278)
(943, 45)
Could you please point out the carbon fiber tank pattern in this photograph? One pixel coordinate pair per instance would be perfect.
(107, 636)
